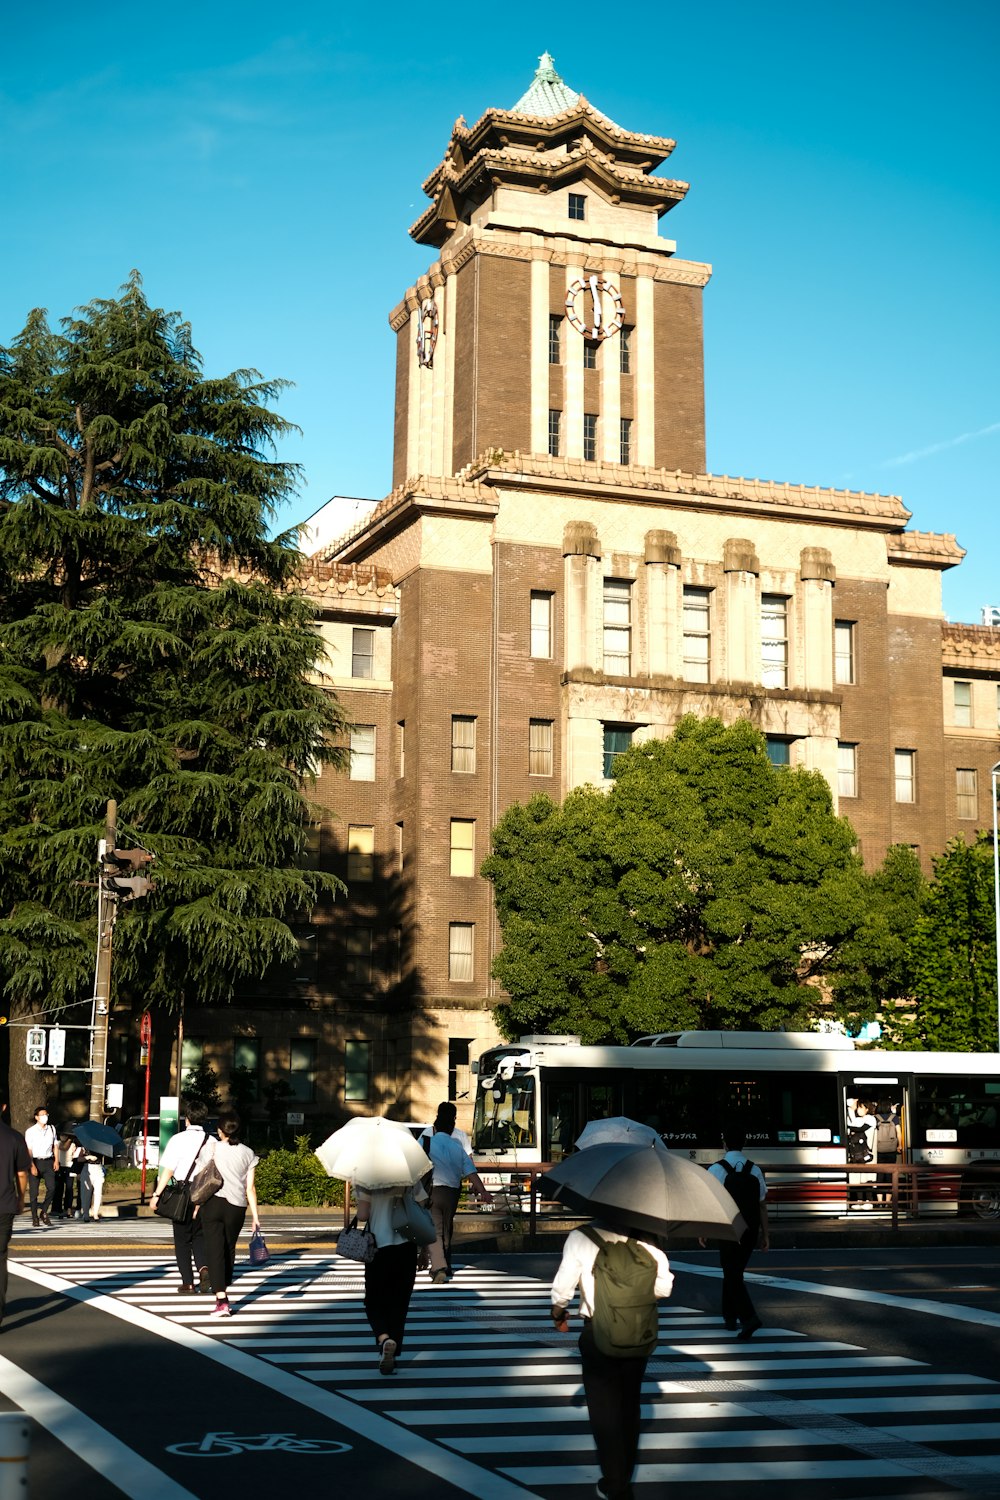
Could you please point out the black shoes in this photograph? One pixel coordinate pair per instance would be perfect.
(748, 1330)
(387, 1357)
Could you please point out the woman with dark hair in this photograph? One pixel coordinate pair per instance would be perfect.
(390, 1276)
(224, 1214)
(452, 1163)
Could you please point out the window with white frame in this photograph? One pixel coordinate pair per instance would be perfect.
(697, 633)
(463, 846)
(625, 440)
(843, 651)
(541, 624)
(460, 952)
(847, 769)
(357, 1071)
(362, 743)
(905, 773)
(463, 742)
(963, 704)
(539, 747)
(577, 206)
(555, 424)
(362, 652)
(360, 852)
(774, 640)
(617, 626)
(966, 793)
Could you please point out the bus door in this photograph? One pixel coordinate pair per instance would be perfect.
(569, 1101)
(888, 1097)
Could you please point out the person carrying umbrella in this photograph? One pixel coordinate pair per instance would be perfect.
(99, 1142)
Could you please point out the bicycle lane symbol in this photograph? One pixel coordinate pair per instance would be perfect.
(226, 1444)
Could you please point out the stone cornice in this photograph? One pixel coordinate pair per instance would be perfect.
(335, 580)
(925, 549)
(969, 648)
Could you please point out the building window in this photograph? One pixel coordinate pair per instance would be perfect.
(843, 651)
(625, 351)
(463, 846)
(401, 744)
(617, 739)
(541, 624)
(774, 640)
(460, 1083)
(192, 1055)
(463, 742)
(362, 652)
(577, 206)
(360, 852)
(362, 752)
(905, 763)
(358, 955)
(357, 1071)
(590, 436)
(555, 339)
(697, 632)
(460, 947)
(847, 770)
(246, 1061)
(963, 704)
(589, 354)
(779, 750)
(302, 1067)
(554, 425)
(539, 747)
(399, 848)
(617, 627)
(625, 440)
(966, 794)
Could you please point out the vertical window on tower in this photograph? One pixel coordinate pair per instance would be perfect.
(362, 743)
(362, 652)
(905, 768)
(555, 339)
(625, 440)
(360, 852)
(697, 634)
(590, 435)
(847, 769)
(554, 425)
(617, 627)
(463, 847)
(617, 739)
(589, 354)
(539, 747)
(625, 351)
(357, 1070)
(963, 704)
(843, 651)
(460, 952)
(966, 794)
(463, 742)
(774, 640)
(577, 206)
(541, 624)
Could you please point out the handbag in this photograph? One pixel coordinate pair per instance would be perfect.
(259, 1253)
(206, 1184)
(174, 1202)
(356, 1244)
(411, 1220)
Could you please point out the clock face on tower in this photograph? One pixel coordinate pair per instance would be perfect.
(427, 332)
(594, 307)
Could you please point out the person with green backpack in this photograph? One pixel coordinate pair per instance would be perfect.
(619, 1279)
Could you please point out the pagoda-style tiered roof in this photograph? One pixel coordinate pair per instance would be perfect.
(551, 138)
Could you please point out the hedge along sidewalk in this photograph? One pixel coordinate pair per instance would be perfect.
(285, 1178)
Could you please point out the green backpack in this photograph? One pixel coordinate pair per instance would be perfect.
(624, 1323)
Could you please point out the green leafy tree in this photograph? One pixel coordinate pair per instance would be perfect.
(155, 648)
(953, 953)
(706, 888)
(200, 1085)
(874, 968)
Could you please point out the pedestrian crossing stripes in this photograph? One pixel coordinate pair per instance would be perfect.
(484, 1376)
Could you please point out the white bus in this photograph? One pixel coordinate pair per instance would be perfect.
(789, 1089)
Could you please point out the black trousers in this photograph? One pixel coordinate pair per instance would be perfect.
(6, 1229)
(221, 1223)
(613, 1388)
(46, 1174)
(189, 1248)
(736, 1304)
(389, 1282)
(62, 1198)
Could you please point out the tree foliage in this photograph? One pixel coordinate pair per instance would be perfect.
(953, 953)
(154, 649)
(706, 888)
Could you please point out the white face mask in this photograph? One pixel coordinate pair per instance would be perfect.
(43, 1119)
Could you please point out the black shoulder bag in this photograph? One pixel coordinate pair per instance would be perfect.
(174, 1202)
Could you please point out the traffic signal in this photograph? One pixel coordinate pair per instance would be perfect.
(121, 873)
(35, 1052)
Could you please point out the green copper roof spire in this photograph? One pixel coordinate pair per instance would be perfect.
(548, 95)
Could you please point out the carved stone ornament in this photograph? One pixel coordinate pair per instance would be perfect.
(603, 301)
(427, 332)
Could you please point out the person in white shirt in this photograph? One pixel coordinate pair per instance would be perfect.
(613, 1387)
(452, 1163)
(40, 1139)
(178, 1158)
(390, 1276)
(737, 1307)
(861, 1119)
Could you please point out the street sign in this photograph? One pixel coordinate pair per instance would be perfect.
(35, 1052)
(57, 1046)
(295, 1117)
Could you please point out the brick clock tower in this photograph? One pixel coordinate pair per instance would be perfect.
(556, 320)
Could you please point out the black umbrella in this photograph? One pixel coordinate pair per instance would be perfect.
(99, 1140)
(643, 1188)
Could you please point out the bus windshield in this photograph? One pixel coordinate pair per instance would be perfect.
(508, 1123)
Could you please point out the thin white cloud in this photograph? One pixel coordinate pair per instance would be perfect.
(955, 442)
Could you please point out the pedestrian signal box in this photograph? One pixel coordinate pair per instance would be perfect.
(36, 1047)
(57, 1046)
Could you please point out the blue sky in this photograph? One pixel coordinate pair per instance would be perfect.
(261, 166)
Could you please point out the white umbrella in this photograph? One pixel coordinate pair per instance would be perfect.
(618, 1129)
(374, 1153)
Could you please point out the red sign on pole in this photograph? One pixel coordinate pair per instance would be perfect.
(145, 1045)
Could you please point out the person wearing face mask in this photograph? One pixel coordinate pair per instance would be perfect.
(40, 1140)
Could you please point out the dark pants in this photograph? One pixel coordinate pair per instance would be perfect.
(736, 1304)
(46, 1174)
(62, 1197)
(189, 1248)
(221, 1223)
(6, 1227)
(883, 1191)
(613, 1388)
(389, 1282)
(444, 1201)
